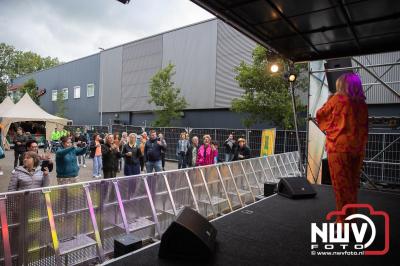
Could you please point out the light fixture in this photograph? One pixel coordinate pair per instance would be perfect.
(292, 77)
(274, 68)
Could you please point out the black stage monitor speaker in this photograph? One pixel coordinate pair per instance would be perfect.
(269, 188)
(331, 77)
(295, 188)
(190, 236)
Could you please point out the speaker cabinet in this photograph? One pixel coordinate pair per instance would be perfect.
(269, 188)
(295, 188)
(190, 236)
(125, 244)
(331, 77)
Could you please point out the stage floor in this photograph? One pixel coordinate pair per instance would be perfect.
(277, 231)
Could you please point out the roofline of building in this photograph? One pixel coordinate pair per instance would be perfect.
(138, 40)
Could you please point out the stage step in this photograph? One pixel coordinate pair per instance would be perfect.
(138, 224)
(242, 192)
(214, 200)
(76, 243)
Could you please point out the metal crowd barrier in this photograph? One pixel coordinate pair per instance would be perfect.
(77, 223)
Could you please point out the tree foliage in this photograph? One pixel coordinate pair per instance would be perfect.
(166, 97)
(14, 63)
(30, 87)
(266, 97)
(60, 103)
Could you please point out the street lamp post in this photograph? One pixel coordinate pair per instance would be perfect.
(101, 88)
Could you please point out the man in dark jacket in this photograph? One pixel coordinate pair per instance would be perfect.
(110, 154)
(19, 145)
(242, 152)
(230, 148)
(152, 157)
(152, 153)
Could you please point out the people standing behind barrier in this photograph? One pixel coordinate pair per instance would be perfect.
(344, 118)
(118, 143)
(81, 142)
(191, 155)
(243, 151)
(95, 154)
(111, 154)
(163, 151)
(205, 155)
(181, 150)
(131, 153)
(32, 145)
(230, 148)
(143, 141)
(66, 163)
(30, 174)
(214, 147)
(122, 143)
(2, 150)
(152, 153)
(19, 145)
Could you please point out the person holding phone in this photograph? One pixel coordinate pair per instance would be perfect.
(30, 175)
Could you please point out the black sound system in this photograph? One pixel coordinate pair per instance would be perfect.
(190, 236)
(331, 77)
(295, 188)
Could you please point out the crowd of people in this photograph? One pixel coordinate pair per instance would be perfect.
(132, 154)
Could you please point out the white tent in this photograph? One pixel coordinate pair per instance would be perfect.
(6, 105)
(27, 110)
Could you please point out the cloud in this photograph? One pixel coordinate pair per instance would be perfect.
(75, 28)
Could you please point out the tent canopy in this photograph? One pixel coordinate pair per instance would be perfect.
(314, 29)
(6, 105)
(27, 110)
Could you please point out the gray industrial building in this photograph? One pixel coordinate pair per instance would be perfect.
(114, 83)
(204, 54)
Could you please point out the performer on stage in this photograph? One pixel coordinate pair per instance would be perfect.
(344, 119)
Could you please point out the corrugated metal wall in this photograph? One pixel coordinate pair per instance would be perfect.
(140, 61)
(378, 94)
(110, 79)
(232, 48)
(193, 50)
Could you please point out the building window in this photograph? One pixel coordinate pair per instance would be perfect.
(54, 95)
(90, 90)
(77, 92)
(65, 93)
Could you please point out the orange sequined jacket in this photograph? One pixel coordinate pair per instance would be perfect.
(345, 123)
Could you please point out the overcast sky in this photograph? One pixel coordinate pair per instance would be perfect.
(70, 29)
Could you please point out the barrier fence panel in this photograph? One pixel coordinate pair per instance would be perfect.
(78, 223)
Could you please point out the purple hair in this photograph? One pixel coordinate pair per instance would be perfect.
(350, 84)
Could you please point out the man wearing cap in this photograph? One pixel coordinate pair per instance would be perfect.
(242, 152)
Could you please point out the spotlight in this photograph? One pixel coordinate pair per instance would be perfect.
(274, 68)
(292, 77)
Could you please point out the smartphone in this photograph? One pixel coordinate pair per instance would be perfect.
(46, 163)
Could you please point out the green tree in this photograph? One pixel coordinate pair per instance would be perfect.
(266, 97)
(166, 97)
(60, 103)
(14, 63)
(30, 87)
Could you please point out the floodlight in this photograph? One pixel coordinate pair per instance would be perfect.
(274, 68)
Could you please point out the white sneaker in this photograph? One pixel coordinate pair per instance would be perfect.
(1, 173)
(84, 165)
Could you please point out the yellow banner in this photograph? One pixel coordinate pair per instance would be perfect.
(268, 142)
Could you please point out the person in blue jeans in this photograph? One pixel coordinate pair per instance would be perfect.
(152, 157)
(95, 153)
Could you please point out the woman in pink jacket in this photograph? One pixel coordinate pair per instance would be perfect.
(206, 153)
